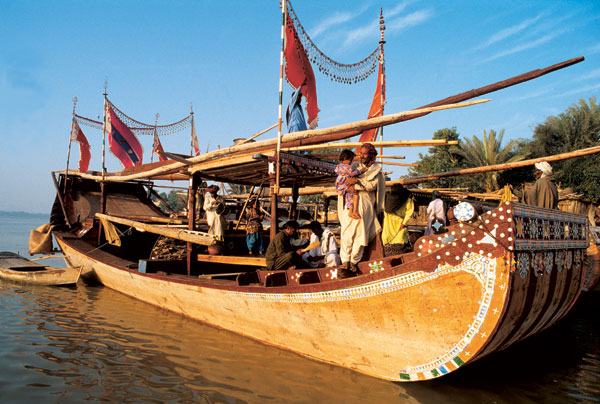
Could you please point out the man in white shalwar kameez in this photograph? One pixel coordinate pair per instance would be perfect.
(216, 222)
(327, 253)
(356, 234)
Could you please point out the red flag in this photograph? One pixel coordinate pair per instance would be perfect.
(298, 72)
(84, 147)
(157, 148)
(122, 141)
(370, 135)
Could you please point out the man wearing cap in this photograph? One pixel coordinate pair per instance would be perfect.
(216, 222)
(544, 192)
(356, 234)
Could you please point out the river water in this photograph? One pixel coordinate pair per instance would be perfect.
(89, 343)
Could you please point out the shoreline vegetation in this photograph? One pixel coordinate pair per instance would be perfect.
(4, 213)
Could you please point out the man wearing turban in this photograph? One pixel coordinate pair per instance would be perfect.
(544, 192)
(356, 234)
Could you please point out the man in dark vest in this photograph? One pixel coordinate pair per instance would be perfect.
(281, 254)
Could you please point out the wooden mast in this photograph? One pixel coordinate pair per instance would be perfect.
(275, 181)
(70, 141)
(382, 77)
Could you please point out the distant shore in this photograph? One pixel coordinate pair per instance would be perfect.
(4, 213)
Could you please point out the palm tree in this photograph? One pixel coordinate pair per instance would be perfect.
(477, 153)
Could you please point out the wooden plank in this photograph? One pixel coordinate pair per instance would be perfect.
(233, 260)
(195, 237)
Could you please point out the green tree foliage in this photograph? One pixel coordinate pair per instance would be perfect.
(175, 201)
(576, 128)
(440, 159)
(237, 189)
(489, 151)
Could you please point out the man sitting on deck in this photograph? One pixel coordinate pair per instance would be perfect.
(356, 234)
(327, 253)
(280, 252)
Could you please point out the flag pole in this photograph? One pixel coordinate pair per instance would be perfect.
(104, 131)
(70, 141)
(192, 134)
(382, 77)
(279, 122)
(155, 134)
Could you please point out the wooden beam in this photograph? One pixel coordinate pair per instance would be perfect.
(390, 163)
(233, 260)
(306, 137)
(496, 167)
(195, 237)
(390, 143)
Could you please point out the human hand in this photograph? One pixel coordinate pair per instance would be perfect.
(351, 181)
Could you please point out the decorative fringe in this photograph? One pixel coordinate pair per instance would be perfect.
(339, 72)
(139, 128)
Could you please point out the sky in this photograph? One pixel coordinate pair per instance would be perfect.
(222, 59)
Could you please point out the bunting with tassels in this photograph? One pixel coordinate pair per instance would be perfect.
(299, 72)
(339, 72)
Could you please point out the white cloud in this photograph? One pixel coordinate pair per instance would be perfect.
(522, 47)
(335, 19)
(510, 31)
(591, 75)
(580, 90)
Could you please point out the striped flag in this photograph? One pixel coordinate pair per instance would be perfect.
(122, 141)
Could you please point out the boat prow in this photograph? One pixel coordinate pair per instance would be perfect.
(18, 269)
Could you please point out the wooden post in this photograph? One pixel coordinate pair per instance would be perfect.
(326, 209)
(273, 228)
(191, 206)
(294, 207)
(102, 209)
(244, 207)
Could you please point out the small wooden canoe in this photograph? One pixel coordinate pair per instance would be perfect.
(15, 268)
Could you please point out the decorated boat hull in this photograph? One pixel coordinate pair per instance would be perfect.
(461, 295)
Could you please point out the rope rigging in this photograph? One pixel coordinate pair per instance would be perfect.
(339, 72)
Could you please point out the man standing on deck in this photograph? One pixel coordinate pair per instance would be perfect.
(544, 192)
(216, 222)
(356, 234)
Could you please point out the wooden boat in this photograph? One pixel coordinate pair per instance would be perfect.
(457, 297)
(15, 268)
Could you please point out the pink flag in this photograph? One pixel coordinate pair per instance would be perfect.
(195, 145)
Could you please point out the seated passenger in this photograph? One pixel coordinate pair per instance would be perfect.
(399, 207)
(281, 254)
(436, 214)
(254, 229)
(327, 253)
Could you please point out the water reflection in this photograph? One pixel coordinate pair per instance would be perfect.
(90, 343)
